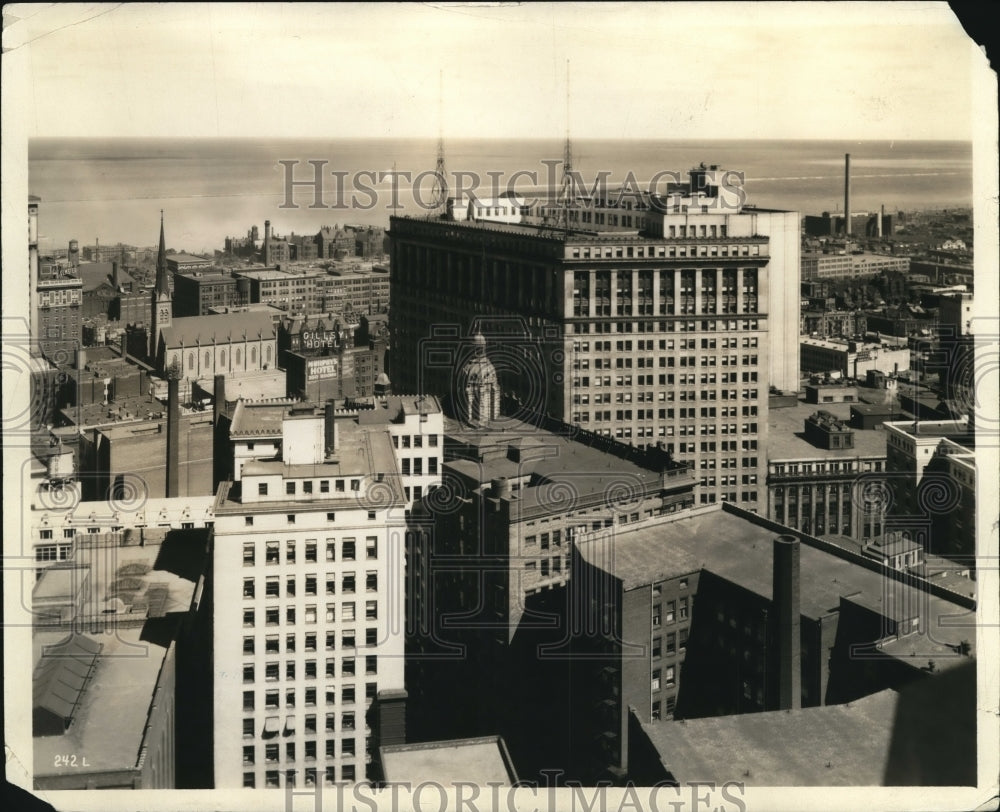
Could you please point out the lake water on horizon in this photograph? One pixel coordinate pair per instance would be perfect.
(113, 189)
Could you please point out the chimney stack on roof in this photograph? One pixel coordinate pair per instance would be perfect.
(173, 436)
(785, 597)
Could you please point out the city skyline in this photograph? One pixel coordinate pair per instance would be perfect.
(293, 464)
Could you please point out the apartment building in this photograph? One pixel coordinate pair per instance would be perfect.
(309, 573)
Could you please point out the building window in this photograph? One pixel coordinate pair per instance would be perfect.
(655, 681)
(262, 489)
(347, 550)
(657, 614)
(371, 547)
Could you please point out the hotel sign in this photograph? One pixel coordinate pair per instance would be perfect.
(322, 368)
(320, 339)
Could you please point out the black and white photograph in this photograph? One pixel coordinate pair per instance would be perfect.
(496, 406)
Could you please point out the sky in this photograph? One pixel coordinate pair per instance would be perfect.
(636, 70)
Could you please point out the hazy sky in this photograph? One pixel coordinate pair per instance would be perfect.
(690, 70)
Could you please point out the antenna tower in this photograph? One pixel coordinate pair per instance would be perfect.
(439, 192)
(565, 198)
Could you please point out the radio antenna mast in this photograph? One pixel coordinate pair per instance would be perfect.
(439, 192)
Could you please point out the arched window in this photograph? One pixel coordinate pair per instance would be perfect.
(268, 353)
(239, 356)
(190, 360)
(253, 355)
(208, 359)
(222, 359)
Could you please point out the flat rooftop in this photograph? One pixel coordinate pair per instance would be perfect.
(256, 420)
(110, 718)
(514, 449)
(362, 452)
(739, 548)
(187, 258)
(786, 434)
(833, 745)
(482, 761)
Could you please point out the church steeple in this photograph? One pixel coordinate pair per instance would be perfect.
(162, 277)
(161, 306)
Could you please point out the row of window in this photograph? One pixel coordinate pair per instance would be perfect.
(414, 440)
(53, 552)
(348, 584)
(272, 617)
(272, 550)
(675, 231)
(662, 678)
(672, 326)
(727, 462)
(348, 695)
(684, 379)
(291, 486)
(546, 567)
(416, 466)
(848, 466)
(668, 706)
(237, 357)
(68, 533)
(670, 644)
(649, 344)
(272, 671)
(272, 778)
(674, 611)
(271, 752)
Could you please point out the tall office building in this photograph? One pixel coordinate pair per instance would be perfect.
(647, 318)
(308, 565)
(56, 299)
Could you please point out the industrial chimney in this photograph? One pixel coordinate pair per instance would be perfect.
(330, 430)
(219, 399)
(173, 436)
(788, 621)
(267, 240)
(114, 275)
(847, 194)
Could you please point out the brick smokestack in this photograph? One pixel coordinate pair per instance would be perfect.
(267, 239)
(788, 621)
(114, 275)
(219, 399)
(847, 194)
(330, 430)
(173, 436)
